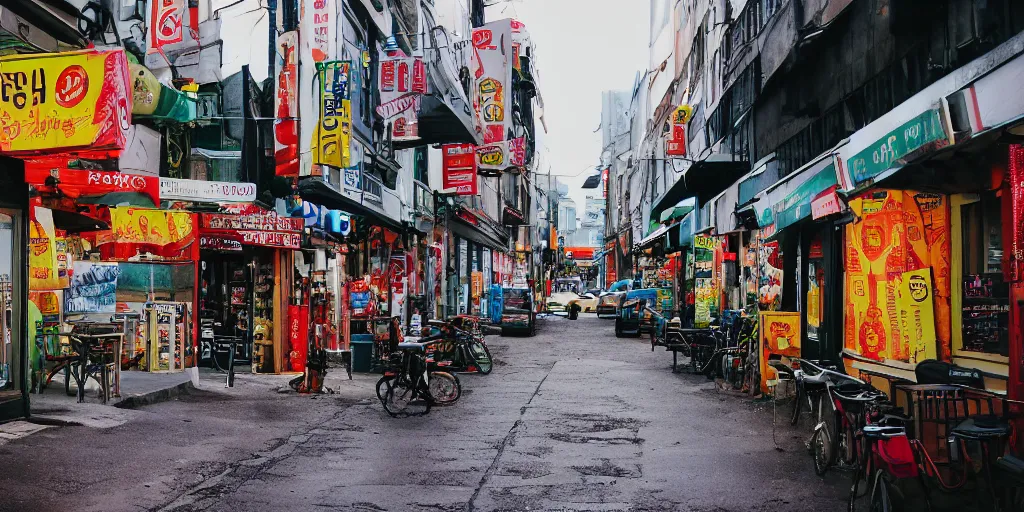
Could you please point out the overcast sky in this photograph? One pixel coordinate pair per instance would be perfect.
(584, 47)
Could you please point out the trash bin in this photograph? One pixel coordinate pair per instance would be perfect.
(362, 352)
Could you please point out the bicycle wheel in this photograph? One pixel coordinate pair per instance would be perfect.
(482, 356)
(881, 500)
(404, 399)
(794, 417)
(445, 388)
(822, 450)
(383, 385)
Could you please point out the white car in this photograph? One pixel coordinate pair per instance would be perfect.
(559, 302)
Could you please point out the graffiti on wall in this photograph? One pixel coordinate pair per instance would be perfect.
(896, 234)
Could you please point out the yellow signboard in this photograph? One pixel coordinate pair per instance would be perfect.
(916, 306)
(158, 227)
(71, 100)
(780, 335)
(333, 133)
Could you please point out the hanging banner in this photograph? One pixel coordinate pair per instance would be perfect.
(286, 107)
(705, 281)
(459, 168)
(502, 155)
(333, 134)
(64, 101)
(1015, 272)
(93, 288)
(165, 23)
(676, 144)
(82, 185)
(492, 74)
(402, 81)
(141, 230)
(206, 191)
(42, 252)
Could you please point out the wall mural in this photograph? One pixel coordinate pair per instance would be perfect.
(897, 233)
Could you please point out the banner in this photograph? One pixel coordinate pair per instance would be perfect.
(286, 107)
(676, 144)
(780, 335)
(705, 281)
(334, 132)
(402, 82)
(137, 230)
(165, 24)
(917, 314)
(93, 288)
(492, 74)
(71, 100)
(459, 168)
(769, 274)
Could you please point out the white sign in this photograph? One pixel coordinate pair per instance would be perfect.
(206, 191)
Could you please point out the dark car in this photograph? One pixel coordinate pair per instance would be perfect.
(608, 302)
(518, 314)
(633, 319)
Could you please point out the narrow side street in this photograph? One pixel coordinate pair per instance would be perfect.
(572, 419)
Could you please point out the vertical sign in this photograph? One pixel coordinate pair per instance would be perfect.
(286, 107)
(403, 81)
(492, 51)
(333, 133)
(165, 23)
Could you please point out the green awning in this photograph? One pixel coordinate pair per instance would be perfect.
(675, 213)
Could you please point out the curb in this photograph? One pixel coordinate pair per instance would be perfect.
(153, 397)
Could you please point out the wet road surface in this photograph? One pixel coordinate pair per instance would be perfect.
(572, 419)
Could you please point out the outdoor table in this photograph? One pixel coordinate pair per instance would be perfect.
(84, 344)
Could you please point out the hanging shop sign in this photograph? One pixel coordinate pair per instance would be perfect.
(206, 191)
(78, 184)
(286, 107)
(333, 134)
(143, 230)
(64, 101)
(916, 306)
(520, 41)
(500, 156)
(492, 73)
(252, 225)
(826, 203)
(166, 23)
(44, 253)
(402, 81)
(459, 168)
(891, 150)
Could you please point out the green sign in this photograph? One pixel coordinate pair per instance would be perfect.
(888, 151)
(797, 204)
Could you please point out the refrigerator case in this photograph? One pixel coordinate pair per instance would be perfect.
(169, 337)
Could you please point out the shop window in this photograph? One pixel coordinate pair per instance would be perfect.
(985, 295)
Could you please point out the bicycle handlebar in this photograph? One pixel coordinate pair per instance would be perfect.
(828, 372)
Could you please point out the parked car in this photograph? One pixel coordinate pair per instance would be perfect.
(558, 302)
(608, 302)
(518, 314)
(632, 319)
(587, 302)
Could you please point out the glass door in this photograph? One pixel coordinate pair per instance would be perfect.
(11, 357)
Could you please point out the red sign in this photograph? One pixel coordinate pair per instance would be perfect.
(298, 334)
(265, 220)
(219, 242)
(676, 146)
(460, 168)
(387, 76)
(826, 203)
(166, 23)
(76, 183)
(271, 239)
(1016, 178)
(604, 183)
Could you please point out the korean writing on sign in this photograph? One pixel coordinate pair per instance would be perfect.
(219, 242)
(63, 101)
(402, 82)
(892, 149)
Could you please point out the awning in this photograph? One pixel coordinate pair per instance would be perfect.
(464, 228)
(797, 204)
(676, 212)
(74, 222)
(317, 191)
(686, 230)
(654, 236)
(789, 186)
(704, 179)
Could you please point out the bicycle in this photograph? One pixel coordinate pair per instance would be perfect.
(886, 457)
(410, 388)
(459, 349)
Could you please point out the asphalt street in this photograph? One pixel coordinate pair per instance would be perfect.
(572, 419)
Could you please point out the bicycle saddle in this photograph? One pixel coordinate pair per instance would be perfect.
(877, 432)
(981, 427)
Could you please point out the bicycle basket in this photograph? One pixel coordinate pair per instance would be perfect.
(898, 456)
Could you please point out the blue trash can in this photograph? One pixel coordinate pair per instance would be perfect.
(362, 353)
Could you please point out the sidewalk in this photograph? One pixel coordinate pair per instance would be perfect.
(138, 389)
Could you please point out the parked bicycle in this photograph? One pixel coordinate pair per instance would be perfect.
(409, 387)
(461, 347)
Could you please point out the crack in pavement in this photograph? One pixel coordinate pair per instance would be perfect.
(509, 439)
(243, 471)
